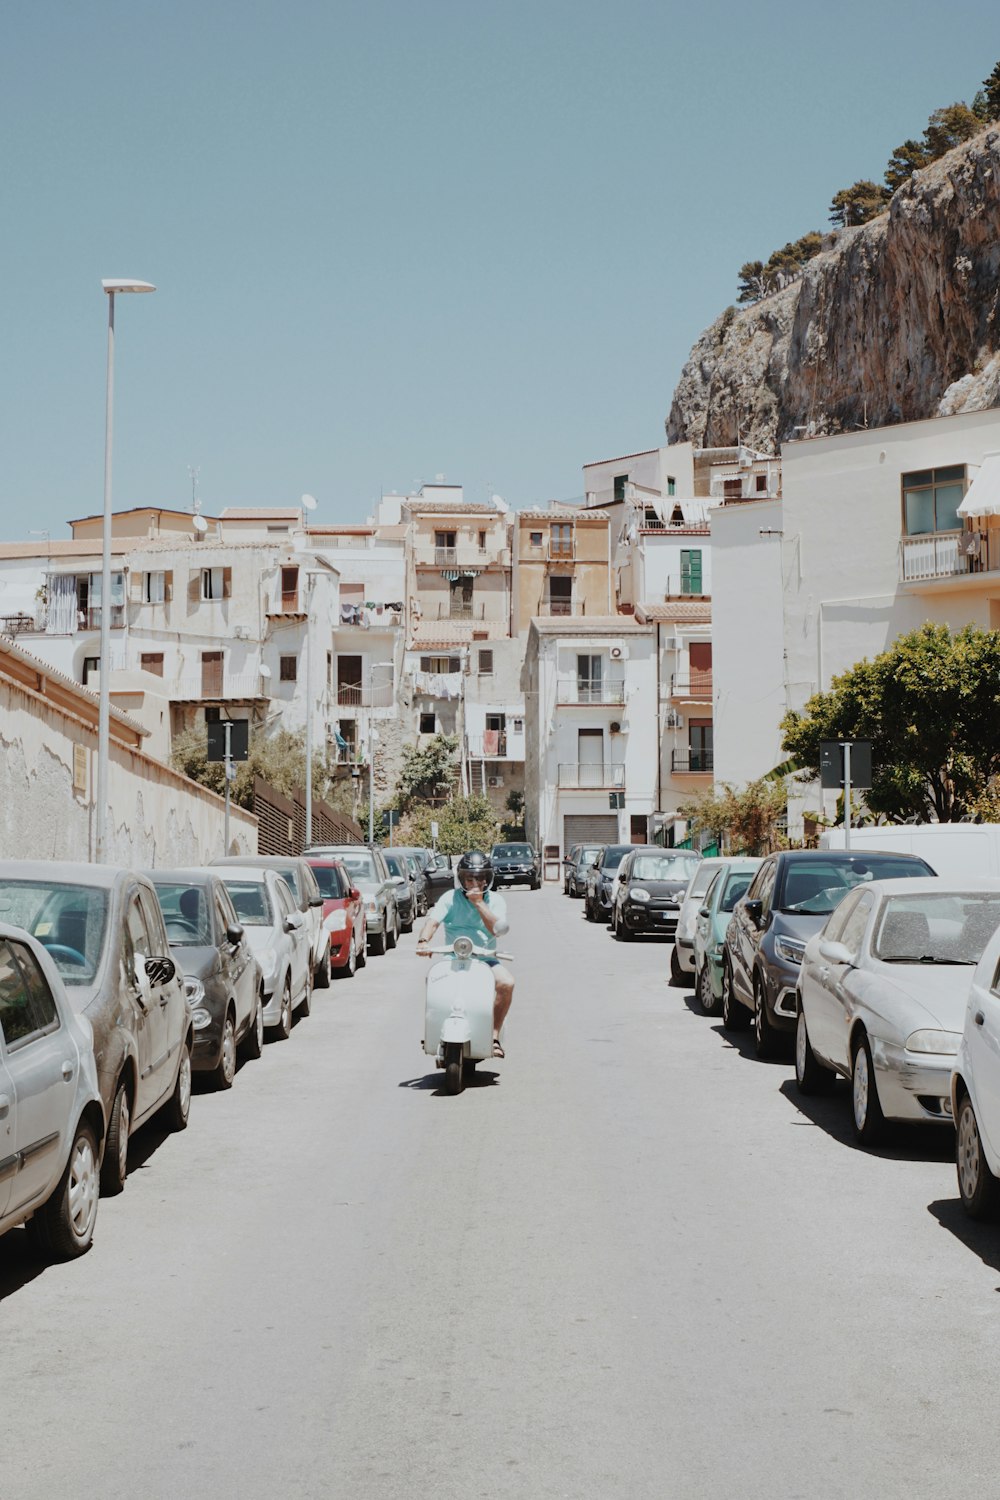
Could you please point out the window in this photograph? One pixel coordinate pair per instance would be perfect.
(211, 674)
(441, 665)
(931, 498)
(349, 679)
(854, 928)
(620, 481)
(561, 539)
(839, 918)
(215, 583)
(671, 485)
(690, 570)
(91, 667)
(156, 587)
(329, 669)
(589, 678)
(16, 1020)
(534, 538)
(482, 541)
(761, 482)
(560, 599)
(288, 668)
(700, 745)
(428, 724)
(444, 546)
(289, 590)
(460, 599)
(485, 663)
(152, 661)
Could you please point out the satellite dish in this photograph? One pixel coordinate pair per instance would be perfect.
(308, 502)
(265, 672)
(200, 524)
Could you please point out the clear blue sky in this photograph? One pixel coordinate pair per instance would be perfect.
(399, 239)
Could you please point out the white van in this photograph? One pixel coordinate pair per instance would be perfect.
(953, 850)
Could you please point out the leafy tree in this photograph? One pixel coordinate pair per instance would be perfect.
(948, 128)
(428, 771)
(859, 203)
(758, 280)
(513, 827)
(930, 706)
(990, 95)
(904, 161)
(463, 823)
(751, 284)
(277, 758)
(749, 819)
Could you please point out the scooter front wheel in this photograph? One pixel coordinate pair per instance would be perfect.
(453, 1063)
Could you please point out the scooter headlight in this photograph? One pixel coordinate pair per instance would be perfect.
(462, 947)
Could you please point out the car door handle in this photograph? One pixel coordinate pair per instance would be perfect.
(4, 1106)
(824, 973)
(980, 1018)
(68, 1069)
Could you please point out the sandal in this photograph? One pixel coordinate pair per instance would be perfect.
(497, 1049)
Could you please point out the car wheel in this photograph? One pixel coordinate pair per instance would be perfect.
(810, 1074)
(377, 943)
(588, 915)
(706, 995)
(391, 930)
(64, 1226)
(866, 1108)
(978, 1189)
(253, 1042)
(178, 1110)
(283, 1030)
(115, 1163)
(226, 1070)
(351, 967)
(677, 975)
(618, 927)
(734, 1015)
(361, 949)
(305, 1005)
(764, 1039)
(321, 976)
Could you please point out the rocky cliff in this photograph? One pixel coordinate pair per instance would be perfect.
(895, 321)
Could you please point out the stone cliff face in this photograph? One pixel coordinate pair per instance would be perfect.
(898, 320)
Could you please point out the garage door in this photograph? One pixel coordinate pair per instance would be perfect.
(593, 828)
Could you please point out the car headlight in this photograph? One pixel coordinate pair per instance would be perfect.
(336, 921)
(638, 893)
(717, 951)
(790, 949)
(200, 1018)
(371, 904)
(194, 990)
(944, 1043)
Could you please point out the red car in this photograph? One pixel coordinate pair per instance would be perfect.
(343, 917)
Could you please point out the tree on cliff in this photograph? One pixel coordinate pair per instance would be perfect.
(930, 706)
(757, 280)
(752, 285)
(948, 128)
(859, 203)
(904, 161)
(990, 95)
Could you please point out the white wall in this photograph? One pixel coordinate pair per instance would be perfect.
(660, 564)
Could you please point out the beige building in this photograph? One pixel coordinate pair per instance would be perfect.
(562, 566)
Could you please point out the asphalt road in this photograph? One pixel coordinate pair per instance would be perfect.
(626, 1263)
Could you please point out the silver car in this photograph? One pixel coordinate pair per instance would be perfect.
(51, 1120)
(103, 930)
(275, 929)
(298, 875)
(882, 995)
(370, 874)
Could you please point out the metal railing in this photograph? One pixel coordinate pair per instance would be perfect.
(90, 619)
(948, 554)
(240, 686)
(474, 558)
(576, 777)
(570, 690)
(17, 624)
(493, 745)
(356, 695)
(560, 608)
(697, 762)
(691, 684)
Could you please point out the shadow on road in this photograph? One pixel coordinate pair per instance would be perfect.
(982, 1239)
(903, 1142)
(432, 1082)
(742, 1042)
(19, 1262)
(147, 1139)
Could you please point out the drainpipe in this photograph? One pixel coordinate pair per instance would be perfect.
(659, 728)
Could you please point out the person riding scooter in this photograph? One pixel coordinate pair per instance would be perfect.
(475, 911)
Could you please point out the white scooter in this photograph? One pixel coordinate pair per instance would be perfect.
(458, 1009)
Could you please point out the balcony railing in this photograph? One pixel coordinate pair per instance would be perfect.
(948, 554)
(560, 608)
(695, 762)
(495, 745)
(570, 690)
(241, 687)
(574, 777)
(90, 619)
(18, 624)
(468, 556)
(357, 695)
(691, 684)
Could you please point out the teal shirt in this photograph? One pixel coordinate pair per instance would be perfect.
(456, 914)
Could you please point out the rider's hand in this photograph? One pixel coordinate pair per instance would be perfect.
(422, 951)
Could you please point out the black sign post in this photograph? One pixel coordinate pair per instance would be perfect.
(845, 764)
(228, 741)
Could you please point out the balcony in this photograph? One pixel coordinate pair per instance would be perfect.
(245, 687)
(570, 692)
(358, 695)
(285, 606)
(956, 555)
(14, 625)
(590, 778)
(467, 559)
(691, 685)
(550, 609)
(496, 744)
(692, 762)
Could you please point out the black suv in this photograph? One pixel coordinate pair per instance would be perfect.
(789, 899)
(600, 881)
(516, 864)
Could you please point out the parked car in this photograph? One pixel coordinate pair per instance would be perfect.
(370, 874)
(419, 884)
(682, 953)
(882, 996)
(406, 897)
(575, 867)
(648, 888)
(516, 864)
(103, 930)
(438, 877)
(222, 978)
(789, 899)
(425, 861)
(728, 885)
(975, 1090)
(276, 932)
(301, 881)
(51, 1119)
(343, 916)
(600, 879)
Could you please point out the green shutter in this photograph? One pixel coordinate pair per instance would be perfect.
(691, 570)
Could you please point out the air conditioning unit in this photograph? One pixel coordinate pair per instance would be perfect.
(618, 653)
(240, 632)
(673, 719)
(494, 781)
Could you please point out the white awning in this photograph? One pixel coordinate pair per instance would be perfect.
(983, 495)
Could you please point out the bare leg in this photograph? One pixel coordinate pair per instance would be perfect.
(504, 996)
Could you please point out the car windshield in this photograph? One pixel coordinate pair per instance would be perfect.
(931, 928)
(291, 875)
(186, 913)
(816, 886)
(253, 904)
(736, 887)
(612, 859)
(663, 867)
(328, 880)
(588, 855)
(512, 851)
(397, 864)
(69, 920)
(360, 866)
(703, 876)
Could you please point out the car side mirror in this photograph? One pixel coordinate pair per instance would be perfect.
(293, 921)
(703, 911)
(160, 970)
(354, 894)
(315, 900)
(234, 933)
(398, 879)
(835, 953)
(754, 910)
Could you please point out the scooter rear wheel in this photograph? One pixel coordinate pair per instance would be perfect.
(453, 1068)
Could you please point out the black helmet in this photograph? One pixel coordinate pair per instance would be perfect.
(475, 863)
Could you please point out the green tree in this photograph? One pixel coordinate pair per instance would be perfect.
(991, 95)
(748, 819)
(277, 758)
(904, 161)
(930, 706)
(751, 281)
(463, 823)
(513, 827)
(428, 771)
(858, 203)
(948, 128)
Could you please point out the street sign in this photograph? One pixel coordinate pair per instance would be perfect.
(390, 819)
(434, 830)
(239, 739)
(831, 764)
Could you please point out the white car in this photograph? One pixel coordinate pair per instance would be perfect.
(882, 994)
(682, 958)
(279, 940)
(51, 1118)
(975, 1090)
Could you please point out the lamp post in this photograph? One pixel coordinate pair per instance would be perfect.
(111, 287)
(371, 744)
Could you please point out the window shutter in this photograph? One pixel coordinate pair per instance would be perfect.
(227, 583)
(138, 589)
(194, 587)
(168, 586)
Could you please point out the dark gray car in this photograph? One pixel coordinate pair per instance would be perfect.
(222, 978)
(104, 932)
(600, 882)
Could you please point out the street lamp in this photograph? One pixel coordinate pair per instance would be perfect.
(111, 287)
(371, 744)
